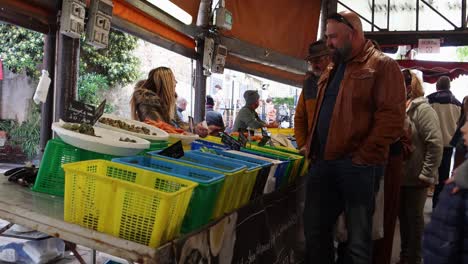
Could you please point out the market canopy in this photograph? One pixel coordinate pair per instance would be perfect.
(275, 28)
(432, 70)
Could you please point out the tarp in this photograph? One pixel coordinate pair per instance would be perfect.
(287, 27)
(432, 70)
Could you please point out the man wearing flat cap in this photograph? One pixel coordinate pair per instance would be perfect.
(247, 117)
(318, 60)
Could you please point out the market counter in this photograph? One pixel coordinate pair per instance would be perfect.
(44, 213)
(266, 230)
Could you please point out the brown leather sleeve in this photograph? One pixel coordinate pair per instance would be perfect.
(300, 122)
(388, 121)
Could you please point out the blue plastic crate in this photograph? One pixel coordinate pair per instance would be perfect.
(281, 173)
(233, 172)
(262, 176)
(198, 144)
(246, 183)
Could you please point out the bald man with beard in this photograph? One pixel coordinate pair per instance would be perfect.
(360, 112)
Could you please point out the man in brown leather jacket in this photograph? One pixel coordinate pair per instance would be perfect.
(360, 112)
(318, 60)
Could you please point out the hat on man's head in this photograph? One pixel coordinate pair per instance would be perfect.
(214, 118)
(317, 49)
(251, 96)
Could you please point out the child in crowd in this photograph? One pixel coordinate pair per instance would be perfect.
(445, 238)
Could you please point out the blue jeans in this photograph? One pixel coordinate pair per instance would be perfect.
(334, 187)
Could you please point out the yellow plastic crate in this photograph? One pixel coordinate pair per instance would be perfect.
(282, 131)
(131, 203)
(298, 160)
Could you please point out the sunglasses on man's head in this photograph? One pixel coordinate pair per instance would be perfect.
(339, 18)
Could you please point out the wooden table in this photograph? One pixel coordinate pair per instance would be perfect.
(44, 213)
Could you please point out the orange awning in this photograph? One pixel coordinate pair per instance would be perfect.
(133, 15)
(287, 27)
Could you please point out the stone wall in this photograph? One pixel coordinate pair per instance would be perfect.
(16, 95)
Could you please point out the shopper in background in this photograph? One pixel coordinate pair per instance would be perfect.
(181, 107)
(270, 111)
(214, 120)
(155, 99)
(360, 112)
(448, 109)
(420, 170)
(247, 118)
(445, 236)
(457, 140)
(219, 99)
(318, 60)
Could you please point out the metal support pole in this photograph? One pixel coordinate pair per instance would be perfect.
(66, 73)
(417, 15)
(328, 7)
(373, 15)
(463, 20)
(388, 15)
(47, 109)
(200, 85)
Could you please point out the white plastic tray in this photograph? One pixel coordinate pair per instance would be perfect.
(108, 142)
(186, 139)
(161, 134)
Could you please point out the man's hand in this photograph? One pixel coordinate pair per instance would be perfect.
(455, 189)
(214, 130)
(273, 125)
(302, 151)
(201, 130)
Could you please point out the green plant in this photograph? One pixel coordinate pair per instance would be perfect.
(21, 49)
(116, 61)
(27, 134)
(462, 53)
(89, 86)
(284, 100)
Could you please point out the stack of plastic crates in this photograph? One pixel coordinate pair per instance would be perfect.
(304, 165)
(283, 170)
(277, 169)
(262, 176)
(128, 202)
(247, 181)
(296, 159)
(50, 177)
(204, 196)
(233, 173)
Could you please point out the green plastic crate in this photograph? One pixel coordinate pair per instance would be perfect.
(50, 177)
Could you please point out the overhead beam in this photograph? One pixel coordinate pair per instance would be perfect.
(151, 37)
(27, 21)
(448, 38)
(235, 47)
(39, 15)
(239, 68)
(263, 56)
(165, 18)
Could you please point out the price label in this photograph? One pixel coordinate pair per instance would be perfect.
(175, 151)
(230, 142)
(79, 112)
(429, 46)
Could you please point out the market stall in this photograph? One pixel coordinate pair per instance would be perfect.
(133, 190)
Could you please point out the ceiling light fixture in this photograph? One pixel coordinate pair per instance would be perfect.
(173, 10)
